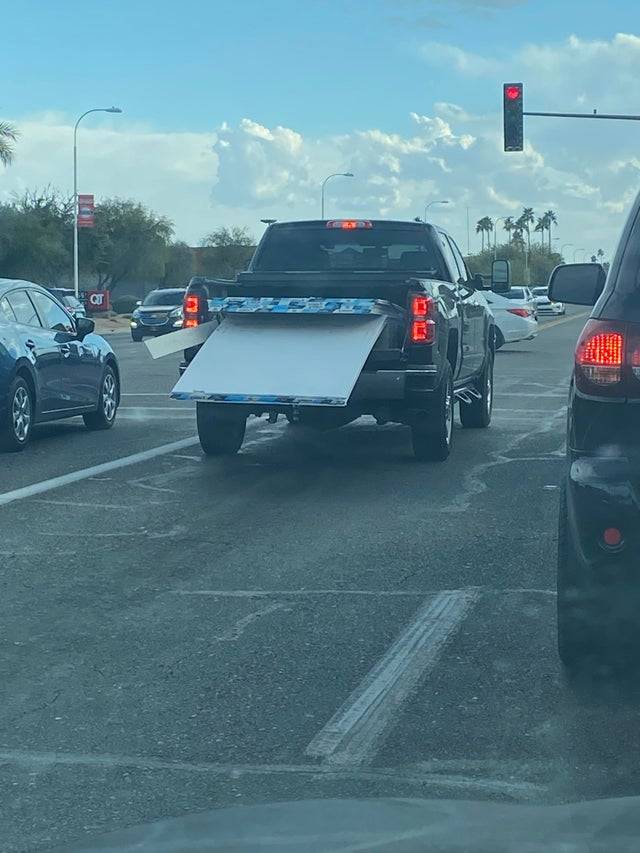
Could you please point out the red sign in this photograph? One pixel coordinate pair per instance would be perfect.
(86, 209)
(97, 300)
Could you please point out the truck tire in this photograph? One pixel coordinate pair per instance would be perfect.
(477, 414)
(432, 432)
(221, 431)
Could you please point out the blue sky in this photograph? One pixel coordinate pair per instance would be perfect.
(235, 110)
(321, 66)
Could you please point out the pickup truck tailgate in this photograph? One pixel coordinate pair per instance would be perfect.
(301, 353)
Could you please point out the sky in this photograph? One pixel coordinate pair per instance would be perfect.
(236, 111)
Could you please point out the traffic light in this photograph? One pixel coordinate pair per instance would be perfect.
(513, 121)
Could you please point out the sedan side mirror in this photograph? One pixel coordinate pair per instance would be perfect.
(577, 284)
(84, 327)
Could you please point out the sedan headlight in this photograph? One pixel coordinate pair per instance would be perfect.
(175, 314)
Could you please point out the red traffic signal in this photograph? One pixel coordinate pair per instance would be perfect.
(513, 96)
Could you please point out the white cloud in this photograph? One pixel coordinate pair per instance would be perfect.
(587, 172)
(472, 64)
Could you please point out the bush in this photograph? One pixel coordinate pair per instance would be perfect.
(124, 304)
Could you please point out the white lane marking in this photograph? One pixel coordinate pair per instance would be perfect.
(81, 504)
(413, 775)
(354, 733)
(530, 411)
(558, 394)
(285, 593)
(374, 593)
(189, 410)
(239, 627)
(164, 394)
(86, 473)
(569, 319)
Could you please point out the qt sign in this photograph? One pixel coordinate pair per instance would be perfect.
(98, 300)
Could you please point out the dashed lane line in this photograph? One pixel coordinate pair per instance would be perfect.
(356, 731)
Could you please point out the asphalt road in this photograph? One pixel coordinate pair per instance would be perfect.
(319, 616)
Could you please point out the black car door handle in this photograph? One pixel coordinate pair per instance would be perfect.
(30, 344)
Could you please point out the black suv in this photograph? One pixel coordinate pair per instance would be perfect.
(599, 532)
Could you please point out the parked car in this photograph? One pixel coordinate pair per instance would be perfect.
(514, 322)
(68, 300)
(52, 366)
(544, 305)
(599, 527)
(161, 312)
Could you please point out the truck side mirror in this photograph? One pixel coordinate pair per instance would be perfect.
(501, 276)
(577, 284)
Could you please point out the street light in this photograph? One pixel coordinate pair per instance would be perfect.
(328, 178)
(76, 279)
(575, 252)
(563, 247)
(427, 206)
(495, 235)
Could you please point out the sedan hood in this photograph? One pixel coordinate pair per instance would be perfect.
(394, 825)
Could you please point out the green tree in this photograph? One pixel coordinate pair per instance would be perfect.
(36, 236)
(179, 265)
(525, 222)
(226, 251)
(128, 241)
(552, 220)
(541, 262)
(541, 227)
(8, 136)
(509, 225)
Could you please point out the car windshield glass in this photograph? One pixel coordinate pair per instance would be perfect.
(322, 249)
(163, 297)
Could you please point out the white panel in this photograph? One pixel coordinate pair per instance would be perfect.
(306, 358)
(183, 338)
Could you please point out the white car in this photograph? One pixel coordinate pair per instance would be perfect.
(544, 305)
(523, 298)
(514, 322)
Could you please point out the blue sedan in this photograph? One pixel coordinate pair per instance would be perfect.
(52, 366)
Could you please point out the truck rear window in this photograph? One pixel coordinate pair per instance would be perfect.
(321, 249)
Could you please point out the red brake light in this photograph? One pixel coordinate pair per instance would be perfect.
(520, 312)
(349, 224)
(513, 92)
(192, 304)
(423, 329)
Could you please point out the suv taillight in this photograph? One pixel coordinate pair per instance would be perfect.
(607, 362)
(422, 327)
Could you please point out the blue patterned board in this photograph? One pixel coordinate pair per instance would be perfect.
(306, 305)
(265, 399)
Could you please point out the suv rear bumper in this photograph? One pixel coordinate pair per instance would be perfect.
(602, 493)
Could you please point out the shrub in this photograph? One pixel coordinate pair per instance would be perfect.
(124, 304)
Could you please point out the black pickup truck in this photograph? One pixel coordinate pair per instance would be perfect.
(441, 352)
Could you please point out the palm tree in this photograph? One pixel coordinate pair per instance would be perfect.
(8, 135)
(484, 226)
(552, 219)
(541, 227)
(600, 254)
(509, 226)
(524, 223)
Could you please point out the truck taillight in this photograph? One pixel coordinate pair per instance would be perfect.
(423, 327)
(192, 310)
(607, 360)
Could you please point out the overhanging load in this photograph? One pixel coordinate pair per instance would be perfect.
(311, 360)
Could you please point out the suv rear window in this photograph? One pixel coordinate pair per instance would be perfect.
(321, 249)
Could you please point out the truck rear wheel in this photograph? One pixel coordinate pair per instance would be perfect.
(477, 413)
(220, 430)
(432, 433)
